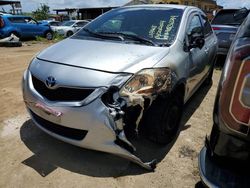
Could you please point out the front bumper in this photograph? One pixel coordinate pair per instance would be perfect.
(89, 124)
(213, 174)
(61, 32)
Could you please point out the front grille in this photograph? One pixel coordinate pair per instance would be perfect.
(61, 93)
(75, 134)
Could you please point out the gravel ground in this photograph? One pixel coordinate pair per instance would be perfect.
(30, 158)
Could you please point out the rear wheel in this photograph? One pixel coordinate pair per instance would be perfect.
(163, 119)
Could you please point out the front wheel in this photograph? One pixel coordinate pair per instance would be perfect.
(163, 119)
(69, 33)
(49, 35)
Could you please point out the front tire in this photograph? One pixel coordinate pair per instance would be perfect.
(163, 118)
(49, 35)
(69, 33)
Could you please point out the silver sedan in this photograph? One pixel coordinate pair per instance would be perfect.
(128, 72)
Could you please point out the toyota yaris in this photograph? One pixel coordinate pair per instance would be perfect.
(130, 71)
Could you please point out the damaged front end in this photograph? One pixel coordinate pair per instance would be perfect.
(103, 115)
(138, 93)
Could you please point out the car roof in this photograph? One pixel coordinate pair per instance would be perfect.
(16, 16)
(159, 6)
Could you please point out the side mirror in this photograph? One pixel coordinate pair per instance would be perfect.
(199, 42)
(194, 40)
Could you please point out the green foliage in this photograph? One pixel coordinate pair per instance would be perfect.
(40, 39)
(27, 14)
(56, 38)
(42, 13)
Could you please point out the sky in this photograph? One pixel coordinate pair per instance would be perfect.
(234, 3)
(30, 5)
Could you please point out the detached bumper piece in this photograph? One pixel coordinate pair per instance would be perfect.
(214, 175)
(11, 41)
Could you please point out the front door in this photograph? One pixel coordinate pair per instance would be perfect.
(197, 58)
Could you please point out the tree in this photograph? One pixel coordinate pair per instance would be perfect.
(41, 13)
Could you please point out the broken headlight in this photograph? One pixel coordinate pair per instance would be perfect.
(148, 81)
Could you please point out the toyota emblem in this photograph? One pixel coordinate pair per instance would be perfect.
(50, 82)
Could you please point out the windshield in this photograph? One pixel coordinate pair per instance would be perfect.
(68, 23)
(158, 25)
(230, 17)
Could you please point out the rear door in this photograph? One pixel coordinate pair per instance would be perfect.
(20, 25)
(33, 28)
(210, 42)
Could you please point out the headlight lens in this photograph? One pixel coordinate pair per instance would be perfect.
(148, 81)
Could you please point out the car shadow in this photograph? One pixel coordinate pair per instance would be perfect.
(193, 104)
(50, 153)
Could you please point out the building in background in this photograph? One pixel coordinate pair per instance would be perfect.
(16, 7)
(87, 13)
(207, 6)
(84, 13)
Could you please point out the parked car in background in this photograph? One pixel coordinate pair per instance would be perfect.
(68, 28)
(23, 27)
(53, 24)
(225, 159)
(225, 24)
(131, 71)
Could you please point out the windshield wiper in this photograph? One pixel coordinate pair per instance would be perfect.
(131, 36)
(101, 35)
(164, 44)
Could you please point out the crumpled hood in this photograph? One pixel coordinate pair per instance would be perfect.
(103, 55)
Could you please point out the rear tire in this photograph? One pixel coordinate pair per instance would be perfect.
(163, 118)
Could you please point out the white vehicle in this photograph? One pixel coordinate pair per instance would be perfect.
(53, 24)
(70, 27)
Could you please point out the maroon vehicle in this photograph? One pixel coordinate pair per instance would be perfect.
(224, 161)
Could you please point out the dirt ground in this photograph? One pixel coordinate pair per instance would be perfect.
(31, 158)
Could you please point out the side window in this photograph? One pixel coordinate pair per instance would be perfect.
(16, 20)
(195, 26)
(207, 27)
(54, 23)
(81, 24)
(30, 21)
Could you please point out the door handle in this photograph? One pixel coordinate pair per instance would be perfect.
(206, 50)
